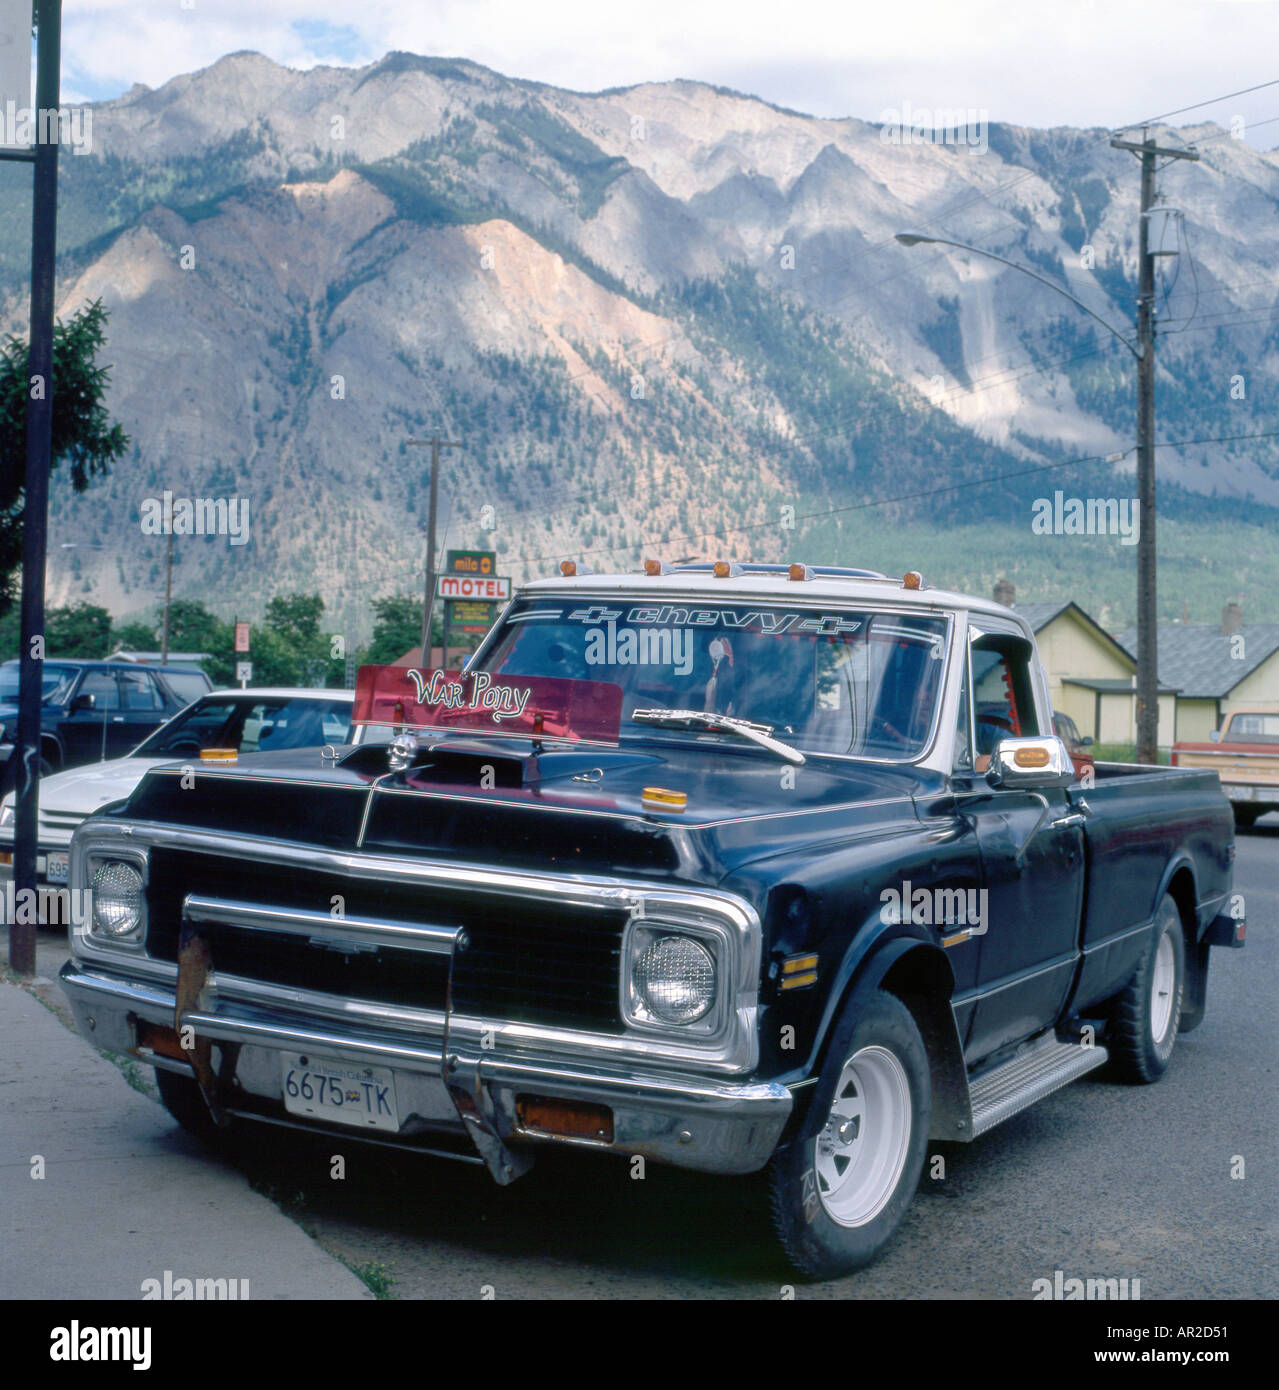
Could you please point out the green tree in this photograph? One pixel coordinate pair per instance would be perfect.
(299, 651)
(399, 627)
(82, 630)
(135, 636)
(83, 434)
(192, 628)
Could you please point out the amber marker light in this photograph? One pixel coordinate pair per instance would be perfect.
(799, 572)
(653, 568)
(912, 579)
(1031, 757)
(219, 755)
(798, 972)
(663, 799)
(568, 568)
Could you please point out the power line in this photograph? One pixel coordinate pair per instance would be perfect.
(1198, 105)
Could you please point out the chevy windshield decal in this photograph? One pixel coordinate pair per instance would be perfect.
(764, 620)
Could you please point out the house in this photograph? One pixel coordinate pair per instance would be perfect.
(1217, 668)
(1092, 676)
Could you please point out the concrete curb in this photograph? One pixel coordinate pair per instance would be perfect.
(126, 1195)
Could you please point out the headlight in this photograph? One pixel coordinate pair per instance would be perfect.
(673, 979)
(117, 899)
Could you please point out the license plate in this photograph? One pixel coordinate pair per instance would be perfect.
(324, 1089)
(56, 868)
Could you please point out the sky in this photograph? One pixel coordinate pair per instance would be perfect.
(1029, 62)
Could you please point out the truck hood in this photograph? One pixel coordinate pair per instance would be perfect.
(569, 808)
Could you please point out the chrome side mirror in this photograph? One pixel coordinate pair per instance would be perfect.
(1041, 760)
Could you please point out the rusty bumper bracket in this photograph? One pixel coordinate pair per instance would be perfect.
(195, 965)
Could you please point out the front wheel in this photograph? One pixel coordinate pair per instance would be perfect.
(1144, 1016)
(839, 1192)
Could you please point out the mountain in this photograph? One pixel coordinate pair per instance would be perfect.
(648, 314)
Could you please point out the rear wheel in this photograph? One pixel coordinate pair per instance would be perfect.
(1245, 816)
(838, 1193)
(1144, 1017)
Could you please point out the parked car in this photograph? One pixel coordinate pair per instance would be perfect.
(240, 721)
(1068, 731)
(94, 710)
(706, 865)
(1244, 753)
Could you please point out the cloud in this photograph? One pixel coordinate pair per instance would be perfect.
(1065, 65)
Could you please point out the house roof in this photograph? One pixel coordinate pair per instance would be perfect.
(1039, 615)
(1113, 686)
(1198, 657)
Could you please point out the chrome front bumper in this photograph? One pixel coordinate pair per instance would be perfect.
(451, 1089)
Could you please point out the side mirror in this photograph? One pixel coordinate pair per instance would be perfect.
(83, 702)
(1086, 742)
(1215, 736)
(1030, 763)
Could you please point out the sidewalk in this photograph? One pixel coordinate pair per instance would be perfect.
(126, 1194)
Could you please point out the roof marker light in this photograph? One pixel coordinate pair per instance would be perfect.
(912, 579)
(656, 567)
(570, 569)
(725, 569)
(800, 572)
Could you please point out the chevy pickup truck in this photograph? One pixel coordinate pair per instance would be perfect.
(751, 869)
(1244, 753)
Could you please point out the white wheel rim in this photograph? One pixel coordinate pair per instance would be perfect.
(1163, 983)
(860, 1152)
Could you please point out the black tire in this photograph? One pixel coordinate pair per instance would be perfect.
(1140, 1039)
(1245, 816)
(181, 1097)
(803, 1205)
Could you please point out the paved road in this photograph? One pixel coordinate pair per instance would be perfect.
(1099, 1180)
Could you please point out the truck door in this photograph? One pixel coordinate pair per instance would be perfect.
(1033, 878)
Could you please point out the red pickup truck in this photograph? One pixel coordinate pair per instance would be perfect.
(1244, 753)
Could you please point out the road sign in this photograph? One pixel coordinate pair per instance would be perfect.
(15, 71)
(471, 562)
(242, 637)
(466, 615)
(491, 588)
(244, 672)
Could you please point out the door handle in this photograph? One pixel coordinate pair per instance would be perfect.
(1065, 822)
(117, 719)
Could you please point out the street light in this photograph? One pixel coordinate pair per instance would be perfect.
(1147, 606)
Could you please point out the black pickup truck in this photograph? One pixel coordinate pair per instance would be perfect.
(750, 869)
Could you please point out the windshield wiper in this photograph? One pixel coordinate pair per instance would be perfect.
(720, 724)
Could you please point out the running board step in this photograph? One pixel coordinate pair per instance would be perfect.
(1043, 1067)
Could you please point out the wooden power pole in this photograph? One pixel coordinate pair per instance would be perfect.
(435, 444)
(1147, 585)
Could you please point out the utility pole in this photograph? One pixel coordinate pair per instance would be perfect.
(35, 507)
(428, 598)
(168, 599)
(1147, 585)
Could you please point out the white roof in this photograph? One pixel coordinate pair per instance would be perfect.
(685, 585)
(281, 692)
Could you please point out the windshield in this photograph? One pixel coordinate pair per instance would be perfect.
(56, 681)
(251, 726)
(839, 681)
